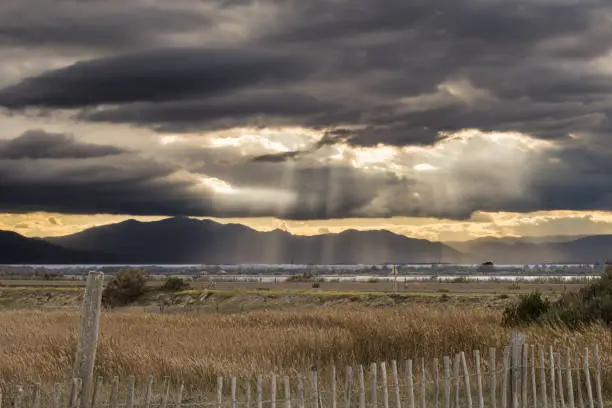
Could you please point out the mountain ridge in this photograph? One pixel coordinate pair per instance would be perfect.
(181, 240)
(206, 241)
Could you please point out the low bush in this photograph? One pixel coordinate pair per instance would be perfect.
(174, 284)
(591, 304)
(529, 309)
(126, 287)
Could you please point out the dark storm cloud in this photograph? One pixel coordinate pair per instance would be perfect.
(238, 108)
(120, 185)
(106, 25)
(386, 72)
(153, 76)
(38, 144)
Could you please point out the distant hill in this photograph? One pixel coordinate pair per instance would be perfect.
(186, 240)
(16, 249)
(183, 240)
(589, 249)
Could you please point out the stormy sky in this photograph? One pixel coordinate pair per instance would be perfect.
(452, 111)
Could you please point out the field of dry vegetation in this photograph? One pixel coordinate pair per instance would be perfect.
(37, 346)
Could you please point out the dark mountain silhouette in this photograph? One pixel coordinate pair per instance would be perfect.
(182, 240)
(185, 240)
(590, 249)
(17, 249)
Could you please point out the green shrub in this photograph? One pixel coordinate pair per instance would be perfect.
(174, 284)
(126, 287)
(531, 308)
(592, 303)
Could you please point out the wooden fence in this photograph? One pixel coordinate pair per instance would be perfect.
(520, 376)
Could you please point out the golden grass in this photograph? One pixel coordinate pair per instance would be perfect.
(38, 346)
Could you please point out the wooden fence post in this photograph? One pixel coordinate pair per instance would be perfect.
(398, 401)
(493, 379)
(598, 376)
(374, 380)
(362, 397)
(568, 377)
(334, 392)
(466, 373)
(410, 379)
(447, 383)
(85, 355)
(479, 379)
(587, 378)
(543, 378)
(553, 373)
(517, 341)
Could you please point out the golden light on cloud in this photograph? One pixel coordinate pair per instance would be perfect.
(217, 185)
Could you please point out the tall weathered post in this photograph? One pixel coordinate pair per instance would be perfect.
(85, 355)
(517, 342)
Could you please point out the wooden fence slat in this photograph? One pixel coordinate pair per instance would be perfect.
(273, 391)
(130, 392)
(398, 401)
(149, 392)
(466, 373)
(568, 377)
(457, 379)
(19, 397)
(315, 389)
(423, 382)
(260, 390)
(553, 373)
(75, 391)
(287, 392)
(410, 383)
(165, 399)
(560, 385)
(57, 396)
(447, 383)
(179, 395)
(525, 375)
(96, 391)
(598, 376)
(347, 386)
(362, 399)
(534, 382)
(543, 391)
(506, 377)
(233, 391)
(36, 396)
(374, 385)
(493, 379)
(334, 392)
(579, 382)
(383, 372)
(219, 391)
(516, 371)
(560, 379)
(479, 379)
(587, 378)
(436, 374)
(300, 387)
(247, 384)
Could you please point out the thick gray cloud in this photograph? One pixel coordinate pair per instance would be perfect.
(38, 144)
(106, 25)
(153, 76)
(367, 72)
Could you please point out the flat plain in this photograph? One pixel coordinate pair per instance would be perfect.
(248, 328)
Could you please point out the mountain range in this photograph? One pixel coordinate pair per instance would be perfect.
(182, 240)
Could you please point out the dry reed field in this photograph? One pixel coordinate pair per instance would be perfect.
(37, 346)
